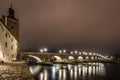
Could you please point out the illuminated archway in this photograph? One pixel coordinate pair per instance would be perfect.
(70, 58)
(56, 58)
(86, 58)
(80, 58)
(92, 58)
(37, 58)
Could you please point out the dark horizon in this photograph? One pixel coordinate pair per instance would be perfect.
(73, 25)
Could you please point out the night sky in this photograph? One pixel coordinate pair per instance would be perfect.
(91, 25)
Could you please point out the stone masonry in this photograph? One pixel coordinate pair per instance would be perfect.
(15, 71)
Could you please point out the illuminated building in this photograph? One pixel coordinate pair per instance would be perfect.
(9, 36)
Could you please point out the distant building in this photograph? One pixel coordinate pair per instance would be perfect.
(9, 36)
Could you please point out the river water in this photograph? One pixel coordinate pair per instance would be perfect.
(81, 71)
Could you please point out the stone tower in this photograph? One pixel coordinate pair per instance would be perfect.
(13, 23)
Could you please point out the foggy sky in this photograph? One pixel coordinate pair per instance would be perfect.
(67, 24)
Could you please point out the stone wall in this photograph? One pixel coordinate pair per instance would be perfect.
(8, 44)
(15, 71)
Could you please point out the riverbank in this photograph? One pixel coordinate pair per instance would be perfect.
(15, 71)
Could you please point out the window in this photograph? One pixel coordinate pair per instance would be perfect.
(6, 44)
(11, 40)
(9, 35)
(14, 22)
(6, 34)
(11, 47)
(11, 27)
(12, 56)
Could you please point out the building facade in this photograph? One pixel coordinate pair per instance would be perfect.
(9, 36)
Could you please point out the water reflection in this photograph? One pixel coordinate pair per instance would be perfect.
(68, 72)
(43, 75)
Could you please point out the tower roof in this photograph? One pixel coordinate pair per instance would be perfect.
(11, 13)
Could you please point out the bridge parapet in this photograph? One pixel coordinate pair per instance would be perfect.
(48, 56)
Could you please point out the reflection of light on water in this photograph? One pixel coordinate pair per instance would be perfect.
(34, 69)
(71, 73)
(102, 70)
(81, 71)
(90, 70)
(94, 70)
(97, 70)
(60, 74)
(69, 66)
(85, 70)
(45, 75)
(41, 76)
(64, 74)
(53, 72)
(75, 73)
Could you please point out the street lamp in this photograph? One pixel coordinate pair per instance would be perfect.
(60, 51)
(90, 53)
(71, 52)
(76, 52)
(64, 51)
(41, 50)
(45, 49)
(94, 53)
(83, 53)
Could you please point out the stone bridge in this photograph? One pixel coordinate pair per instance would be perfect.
(61, 56)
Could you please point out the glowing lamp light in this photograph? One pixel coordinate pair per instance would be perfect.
(64, 51)
(41, 50)
(45, 49)
(83, 53)
(60, 51)
(90, 53)
(71, 52)
(76, 52)
(94, 53)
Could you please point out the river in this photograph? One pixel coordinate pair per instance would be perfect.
(81, 71)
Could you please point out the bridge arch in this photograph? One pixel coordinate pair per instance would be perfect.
(92, 58)
(80, 58)
(71, 58)
(34, 57)
(56, 58)
(87, 58)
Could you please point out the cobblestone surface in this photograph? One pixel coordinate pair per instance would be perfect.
(15, 71)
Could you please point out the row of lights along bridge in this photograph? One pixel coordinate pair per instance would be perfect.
(45, 50)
